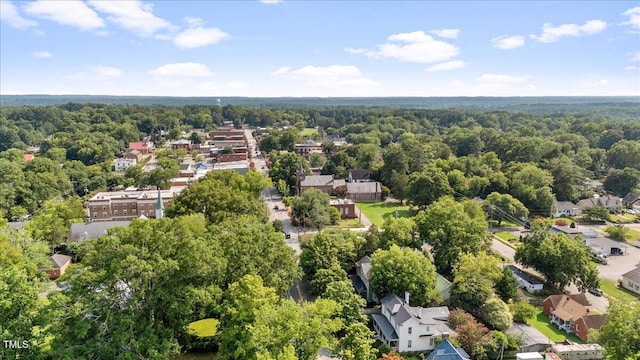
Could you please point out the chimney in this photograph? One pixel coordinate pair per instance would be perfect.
(445, 336)
(406, 297)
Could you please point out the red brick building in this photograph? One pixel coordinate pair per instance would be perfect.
(144, 147)
(573, 314)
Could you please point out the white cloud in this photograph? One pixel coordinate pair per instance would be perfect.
(281, 71)
(416, 47)
(134, 16)
(593, 82)
(631, 68)
(635, 56)
(446, 33)
(553, 34)
(9, 14)
(98, 73)
(507, 42)
(197, 36)
(503, 79)
(345, 79)
(68, 12)
(42, 54)
(355, 51)
(634, 17)
(270, 1)
(182, 70)
(449, 65)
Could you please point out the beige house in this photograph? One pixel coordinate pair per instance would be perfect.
(631, 280)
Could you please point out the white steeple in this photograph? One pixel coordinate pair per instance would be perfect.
(159, 207)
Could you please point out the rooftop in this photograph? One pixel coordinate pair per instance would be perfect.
(633, 275)
(559, 348)
(524, 276)
(364, 187)
(340, 201)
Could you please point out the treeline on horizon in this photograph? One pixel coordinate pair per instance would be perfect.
(619, 106)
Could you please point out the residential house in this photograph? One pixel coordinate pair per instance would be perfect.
(307, 148)
(181, 144)
(357, 175)
(123, 164)
(630, 200)
(364, 191)
(631, 280)
(144, 147)
(573, 314)
(135, 155)
(526, 281)
(408, 328)
(604, 245)
(609, 202)
(59, 264)
(362, 278)
(346, 207)
(79, 232)
(325, 183)
(446, 351)
(565, 208)
(578, 351)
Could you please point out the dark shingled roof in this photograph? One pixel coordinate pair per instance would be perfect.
(633, 275)
(516, 271)
(385, 326)
(80, 232)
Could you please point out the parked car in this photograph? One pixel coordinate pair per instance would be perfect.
(600, 259)
(596, 292)
(287, 236)
(276, 207)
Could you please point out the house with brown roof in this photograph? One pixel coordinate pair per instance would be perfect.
(631, 280)
(144, 147)
(573, 314)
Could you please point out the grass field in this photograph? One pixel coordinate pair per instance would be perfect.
(204, 328)
(611, 289)
(377, 212)
(309, 132)
(634, 235)
(541, 322)
(623, 218)
(348, 223)
(506, 236)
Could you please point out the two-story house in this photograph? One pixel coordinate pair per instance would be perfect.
(408, 328)
(573, 314)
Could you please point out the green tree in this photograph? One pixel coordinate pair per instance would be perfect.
(352, 304)
(452, 228)
(532, 186)
(501, 206)
(496, 313)
(396, 271)
(548, 253)
(51, 225)
(367, 155)
(357, 343)
(475, 277)
(400, 231)
(311, 209)
(619, 334)
(130, 283)
(622, 181)
(506, 286)
(595, 214)
(522, 311)
(619, 233)
(285, 167)
(325, 248)
(324, 277)
(428, 186)
(625, 153)
(474, 338)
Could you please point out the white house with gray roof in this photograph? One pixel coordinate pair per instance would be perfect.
(408, 328)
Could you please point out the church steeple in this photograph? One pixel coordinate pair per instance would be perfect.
(159, 207)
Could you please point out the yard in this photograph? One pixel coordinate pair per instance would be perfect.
(347, 224)
(204, 328)
(541, 322)
(623, 218)
(507, 236)
(308, 132)
(377, 212)
(611, 289)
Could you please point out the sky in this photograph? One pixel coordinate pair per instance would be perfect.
(320, 48)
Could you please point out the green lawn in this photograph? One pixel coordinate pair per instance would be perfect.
(541, 322)
(506, 236)
(611, 289)
(348, 223)
(204, 328)
(377, 212)
(622, 219)
(309, 132)
(634, 235)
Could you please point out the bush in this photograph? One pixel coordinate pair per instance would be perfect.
(458, 317)
(278, 225)
(385, 192)
(522, 311)
(561, 222)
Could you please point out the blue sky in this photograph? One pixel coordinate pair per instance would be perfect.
(320, 48)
